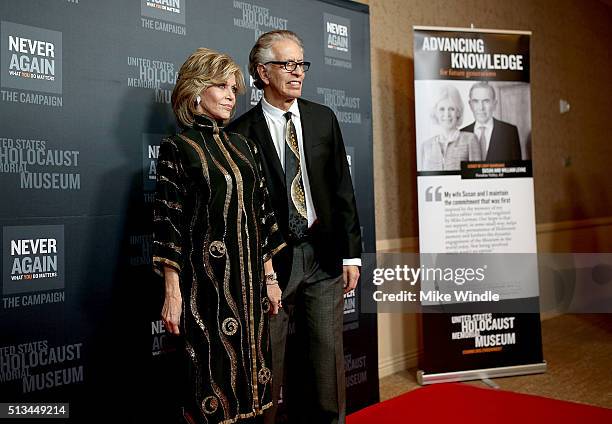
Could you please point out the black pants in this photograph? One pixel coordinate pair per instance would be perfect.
(316, 368)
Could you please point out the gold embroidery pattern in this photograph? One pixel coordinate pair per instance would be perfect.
(265, 305)
(167, 164)
(230, 326)
(172, 205)
(162, 178)
(157, 218)
(196, 315)
(226, 289)
(200, 153)
(172, 246)
(255, 176)
(274, 252)
(194, 306)
(217, 249)
(159, 270)
(263, 376)
(248, 305)
(210, 405)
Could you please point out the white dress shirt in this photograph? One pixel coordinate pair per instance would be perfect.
(275, 118)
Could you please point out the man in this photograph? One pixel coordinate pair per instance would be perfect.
(308, 178)
(499, 141)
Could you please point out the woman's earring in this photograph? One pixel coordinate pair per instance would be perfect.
(198, 99)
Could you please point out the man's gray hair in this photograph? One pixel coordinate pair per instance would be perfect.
(262, 51)
(483, 84)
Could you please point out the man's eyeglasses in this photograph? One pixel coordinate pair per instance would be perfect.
(290, 65)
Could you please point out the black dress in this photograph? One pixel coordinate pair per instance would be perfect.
(213, 223)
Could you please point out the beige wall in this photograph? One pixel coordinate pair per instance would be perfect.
(572, 153)
(571, 59)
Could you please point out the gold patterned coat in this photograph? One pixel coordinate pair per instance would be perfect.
(213, 223)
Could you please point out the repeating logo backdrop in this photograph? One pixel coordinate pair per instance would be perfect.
(85, 100)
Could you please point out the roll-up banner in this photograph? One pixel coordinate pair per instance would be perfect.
(85, 90)
(476, 202)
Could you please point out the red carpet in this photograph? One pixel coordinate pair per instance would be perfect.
(460, 403)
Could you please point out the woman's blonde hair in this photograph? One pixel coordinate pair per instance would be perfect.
(204, 68)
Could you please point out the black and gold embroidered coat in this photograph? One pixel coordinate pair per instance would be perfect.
(213, 223)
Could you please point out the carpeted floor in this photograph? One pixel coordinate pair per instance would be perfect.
(578, 350)
(465, 404)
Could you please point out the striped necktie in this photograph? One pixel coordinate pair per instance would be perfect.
(482, 139)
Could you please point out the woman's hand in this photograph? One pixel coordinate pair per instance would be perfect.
(173, 302)
(272, 289)
(274, 295)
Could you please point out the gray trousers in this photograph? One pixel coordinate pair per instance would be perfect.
(314, 389)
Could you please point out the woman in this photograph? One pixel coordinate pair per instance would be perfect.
(448, 149)
(214, 237)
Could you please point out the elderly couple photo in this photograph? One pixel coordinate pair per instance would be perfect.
(486, 138)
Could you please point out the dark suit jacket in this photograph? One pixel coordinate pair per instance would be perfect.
(338, 233)
(504, 143)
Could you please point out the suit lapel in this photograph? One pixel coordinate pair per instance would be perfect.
(262, 132)
(491, 153)
(307, 135)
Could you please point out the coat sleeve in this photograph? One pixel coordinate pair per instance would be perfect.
(168, 209)
(271, 237)
(516, 144)
(345, 211)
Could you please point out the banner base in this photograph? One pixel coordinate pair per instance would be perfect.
(447, 377)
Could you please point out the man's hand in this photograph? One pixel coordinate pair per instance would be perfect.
(350, 275)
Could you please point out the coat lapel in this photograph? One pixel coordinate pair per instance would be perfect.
(492, 153)
(307, 135)
(260, 128)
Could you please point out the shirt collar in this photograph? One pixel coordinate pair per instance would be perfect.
(278, 114)
(488, 125)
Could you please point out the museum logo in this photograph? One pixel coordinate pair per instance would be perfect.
(156, 75)
(31, 60)
(39, 165)
(33, 259)
(254, 94)
(150, 151)
(257, 18)
(163, 15)
(161, 342)
(337, 41)
(346, 107)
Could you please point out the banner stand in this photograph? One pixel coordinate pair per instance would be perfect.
(424, 378)
(476, 197)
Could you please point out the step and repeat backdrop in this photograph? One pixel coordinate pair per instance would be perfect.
(85, 100)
